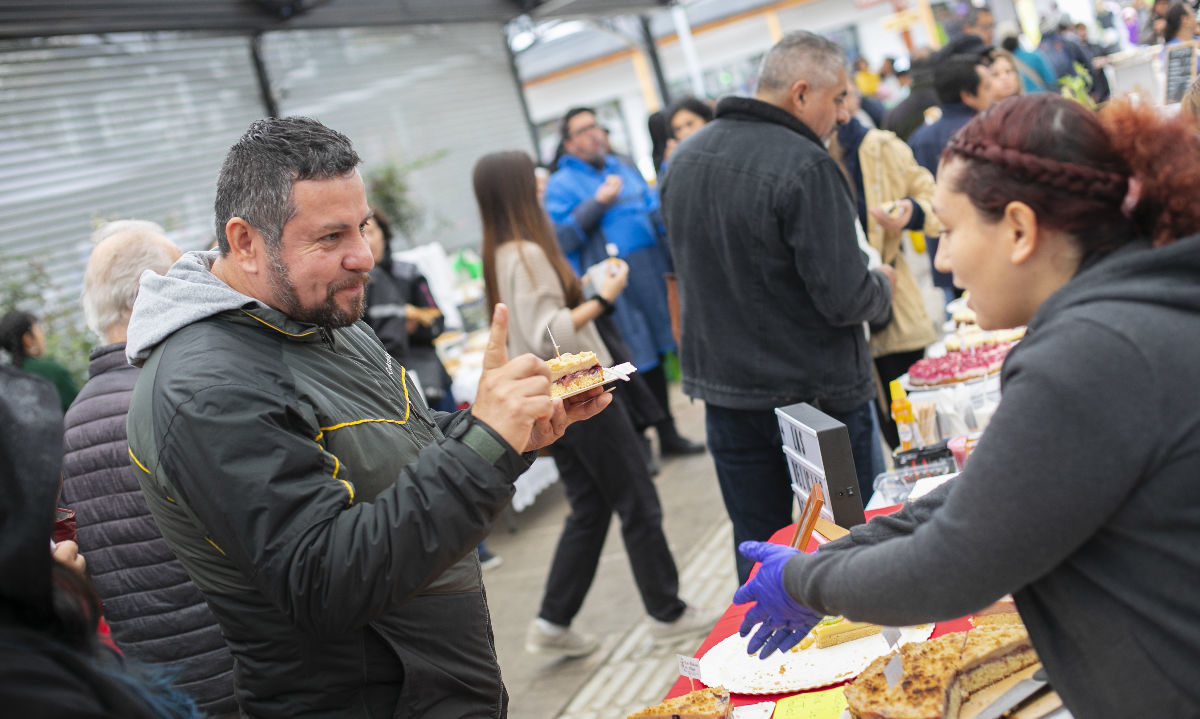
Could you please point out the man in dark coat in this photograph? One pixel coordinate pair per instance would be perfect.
(156, 614)
(772, 284)
(329, 517)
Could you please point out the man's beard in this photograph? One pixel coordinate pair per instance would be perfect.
(328, 314)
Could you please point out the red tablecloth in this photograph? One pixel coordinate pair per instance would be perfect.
(732, 619)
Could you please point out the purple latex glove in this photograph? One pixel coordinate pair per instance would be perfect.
(784, 622)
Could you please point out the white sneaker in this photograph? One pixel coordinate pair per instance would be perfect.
(567, 643)
(694, 620)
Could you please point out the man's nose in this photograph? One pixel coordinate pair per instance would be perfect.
(843, 115)
(359, 258)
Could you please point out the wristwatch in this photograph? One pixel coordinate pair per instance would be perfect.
(605, 304)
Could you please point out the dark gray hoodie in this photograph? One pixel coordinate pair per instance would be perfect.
(1082, 499)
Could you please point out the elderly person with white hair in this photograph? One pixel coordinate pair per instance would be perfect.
(156, 614)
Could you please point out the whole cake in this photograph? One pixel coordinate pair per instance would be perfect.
(707, 703)
(959, 366)
(573, 372)
(940, 674)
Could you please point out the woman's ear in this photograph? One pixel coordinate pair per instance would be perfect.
(1021, 223)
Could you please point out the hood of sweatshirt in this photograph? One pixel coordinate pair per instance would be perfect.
(188, 293)
(1166, 276)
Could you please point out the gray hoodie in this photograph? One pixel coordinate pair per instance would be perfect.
(1081, 499)
(189, 292)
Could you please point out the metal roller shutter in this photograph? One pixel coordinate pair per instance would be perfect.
(103, 127)
(406, 93)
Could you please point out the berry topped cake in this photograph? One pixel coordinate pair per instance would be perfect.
(959, 366)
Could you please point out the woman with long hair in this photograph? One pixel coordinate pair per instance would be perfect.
(599, 460)
(1081, 497)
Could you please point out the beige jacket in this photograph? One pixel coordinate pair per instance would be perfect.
(529, 285)
(890, 173)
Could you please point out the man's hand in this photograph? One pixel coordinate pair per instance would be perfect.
(893, 216)
(784, 622)
(514, 395)
(67, 554)
(890, 273)
(608, 192)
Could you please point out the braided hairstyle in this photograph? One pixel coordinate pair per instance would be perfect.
(1108, 179)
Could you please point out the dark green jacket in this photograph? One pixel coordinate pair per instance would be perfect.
(327, 515)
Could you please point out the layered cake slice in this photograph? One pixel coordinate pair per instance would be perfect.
(940, 674)
(832, 631)
(993, 652)
(707, 703)
(573, 372)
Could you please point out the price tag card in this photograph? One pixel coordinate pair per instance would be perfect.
(828, 704)
(688, 667)
(761, 710)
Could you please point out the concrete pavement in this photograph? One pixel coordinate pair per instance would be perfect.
(629, 671)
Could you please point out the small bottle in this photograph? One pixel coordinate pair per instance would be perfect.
(969, 446)
(902, 414)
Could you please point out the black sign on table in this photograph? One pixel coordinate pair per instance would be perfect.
(817, 448)
(1180, 67)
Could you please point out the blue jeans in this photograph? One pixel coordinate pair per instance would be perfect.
(747, 450)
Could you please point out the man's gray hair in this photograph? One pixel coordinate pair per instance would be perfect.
(256, 177)
(110, 282)
(800, 55)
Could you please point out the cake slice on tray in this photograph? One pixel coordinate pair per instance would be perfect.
(707, 703)
(573, 372)
(939, 675)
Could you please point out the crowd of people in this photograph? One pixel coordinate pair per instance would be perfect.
(280, 507)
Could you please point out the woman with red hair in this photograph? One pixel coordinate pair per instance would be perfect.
(1081, 499)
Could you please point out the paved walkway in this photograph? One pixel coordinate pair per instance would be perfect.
(629, 671)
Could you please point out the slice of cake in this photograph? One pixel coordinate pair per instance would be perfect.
(940, 674)
(993, 652)
(925, 691)
(707, 703)
(832, 631)
(572, 372)
(1003, 611)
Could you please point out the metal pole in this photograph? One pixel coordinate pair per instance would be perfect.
(655, 63)
(264, 79)
(520, 88)
(684, 30)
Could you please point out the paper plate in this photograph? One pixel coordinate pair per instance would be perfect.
(727, 664)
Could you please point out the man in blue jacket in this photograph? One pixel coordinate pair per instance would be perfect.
(600, 205)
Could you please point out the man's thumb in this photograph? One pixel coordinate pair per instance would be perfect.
(496, 353)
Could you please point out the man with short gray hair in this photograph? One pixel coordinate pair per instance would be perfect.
(327, 514)
(773, 287)
(156, 614)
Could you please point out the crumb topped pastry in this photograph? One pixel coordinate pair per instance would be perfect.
(940, 674)
(707, 703)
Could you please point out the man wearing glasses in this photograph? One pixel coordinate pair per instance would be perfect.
(601, 204)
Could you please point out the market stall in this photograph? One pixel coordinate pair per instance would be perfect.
(813, 697)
